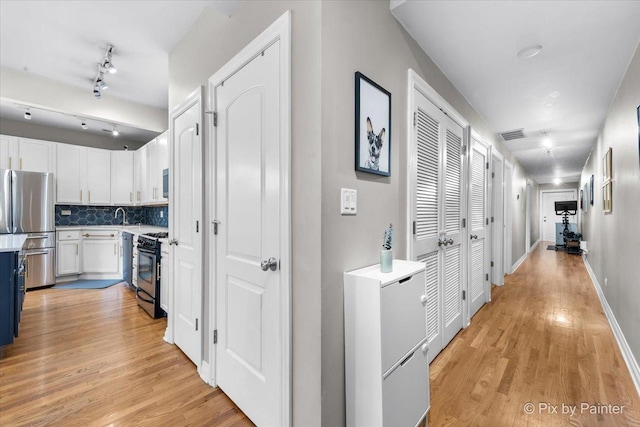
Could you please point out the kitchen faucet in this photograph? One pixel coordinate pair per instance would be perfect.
(124, 216)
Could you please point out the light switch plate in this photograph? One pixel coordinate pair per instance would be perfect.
(348, 201)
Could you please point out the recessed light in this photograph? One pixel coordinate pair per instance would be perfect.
(530, 51)
(547, 142)
(554, 94)
(548, 105)
(556, 181)
(115, 132)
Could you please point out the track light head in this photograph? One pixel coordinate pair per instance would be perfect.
(84, 125)
(96, 92)
(107, 64)
(101, 84)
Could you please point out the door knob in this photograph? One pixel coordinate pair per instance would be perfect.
(474, 236)
(442, 242)
(173, 242)
(450, 242)
(269, 264)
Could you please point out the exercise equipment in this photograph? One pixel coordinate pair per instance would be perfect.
(570, 238)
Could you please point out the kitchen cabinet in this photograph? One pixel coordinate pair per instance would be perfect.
(68, 252)
(165, 277)
(154, 157)
(122, 179)
(8, 152)
(101, 252)
(386, 367)
(143, 195)
(11, 297)
(36, 156)
(83, 175)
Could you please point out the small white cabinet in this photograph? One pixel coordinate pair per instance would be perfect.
(83, 175)
(386, 366)
(153, 158)
(98, 175)
(8, 152)
(68, 252)
(36, 156)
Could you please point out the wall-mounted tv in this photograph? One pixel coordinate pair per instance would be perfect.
(567, 205)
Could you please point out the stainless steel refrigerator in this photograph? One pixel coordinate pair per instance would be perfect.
(27, 207)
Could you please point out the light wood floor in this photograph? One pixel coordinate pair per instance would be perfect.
(93, 357)
(543, 339)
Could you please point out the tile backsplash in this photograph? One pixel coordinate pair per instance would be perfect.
(105, 215)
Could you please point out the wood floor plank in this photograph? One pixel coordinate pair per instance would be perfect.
(543, 339)
(93, 357)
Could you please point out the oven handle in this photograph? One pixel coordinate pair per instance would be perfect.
(142, 298)
(146, 251)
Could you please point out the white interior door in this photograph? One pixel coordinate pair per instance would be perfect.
(479, 287)
(549, 217)
(249, 282)
(186, 229)
(507, 215)
(436, 211)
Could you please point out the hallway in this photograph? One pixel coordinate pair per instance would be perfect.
(543, 339)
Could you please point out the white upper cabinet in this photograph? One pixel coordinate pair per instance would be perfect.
(83, 175)
(36, 156)
(153, 158)
(122, 179)
(98, 176)
(142, 190)
(8, 152)
(71, 174)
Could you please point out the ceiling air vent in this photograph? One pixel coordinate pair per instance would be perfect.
(512, 134)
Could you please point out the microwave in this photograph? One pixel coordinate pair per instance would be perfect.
(165, 183)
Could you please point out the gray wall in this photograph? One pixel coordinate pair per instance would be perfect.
(365, 37)
(613, 243)
(67, 136)
(211, 42)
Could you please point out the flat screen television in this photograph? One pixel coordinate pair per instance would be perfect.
(567, 205)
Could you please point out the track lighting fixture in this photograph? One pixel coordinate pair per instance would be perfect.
(105, 66)
(84, 125)
(27, 114)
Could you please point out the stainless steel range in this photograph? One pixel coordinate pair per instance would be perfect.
(148, 291)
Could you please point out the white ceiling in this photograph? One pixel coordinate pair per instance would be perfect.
(564, 91)
(65, 40)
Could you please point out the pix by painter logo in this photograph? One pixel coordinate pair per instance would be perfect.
(563, 408)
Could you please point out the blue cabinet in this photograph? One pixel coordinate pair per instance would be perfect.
(11, 297)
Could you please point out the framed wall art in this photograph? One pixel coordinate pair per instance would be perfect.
(373, 127)
(638, 111)
(591, 182)
(607, 181)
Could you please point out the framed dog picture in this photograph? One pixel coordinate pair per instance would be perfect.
(373, 127)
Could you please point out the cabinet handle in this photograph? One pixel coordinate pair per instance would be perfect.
(80, 195)
(20, 163)
(10, 162)
(89, 196)
(130, 196)
(158, 271)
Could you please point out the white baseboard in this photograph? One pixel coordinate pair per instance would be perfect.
(627, 355)
(167, 336)
(204, 370)
(534, 245)
(518, 263)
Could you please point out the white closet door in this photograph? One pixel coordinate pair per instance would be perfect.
(479, 291)
(426, 183)
(452, 222)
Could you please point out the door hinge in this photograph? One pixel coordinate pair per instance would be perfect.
(215, 226)
(464, 150)
(486, 276)
(196, 324)
(215, 336)
(215, 118)
(197, 226)
(415, 227)
(464, 222)
(491, 263)
(464, 295)
(493, 174)
(415, 113)
(487, 165)
(492, 219)
(197, 129)
(487, 222)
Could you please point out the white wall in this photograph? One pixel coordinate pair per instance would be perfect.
(211, 42)
(613, 238)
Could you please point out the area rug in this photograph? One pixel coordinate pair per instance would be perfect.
(88, 284)
(552, 248)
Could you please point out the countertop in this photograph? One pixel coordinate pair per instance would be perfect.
(12, 242)
(133, 229)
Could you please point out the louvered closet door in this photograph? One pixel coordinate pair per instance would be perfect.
(452, 271)
(426, 189)
(479, 291)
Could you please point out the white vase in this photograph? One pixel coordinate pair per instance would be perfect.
(386, 261)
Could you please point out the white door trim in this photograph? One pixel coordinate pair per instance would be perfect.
(527, 218)
(279, 30)
(193, 98)
(415, 82)
(497, 189)
(507, 176)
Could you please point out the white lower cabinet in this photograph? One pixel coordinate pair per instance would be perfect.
(386, 365)
(68, 253)
(100, 256)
